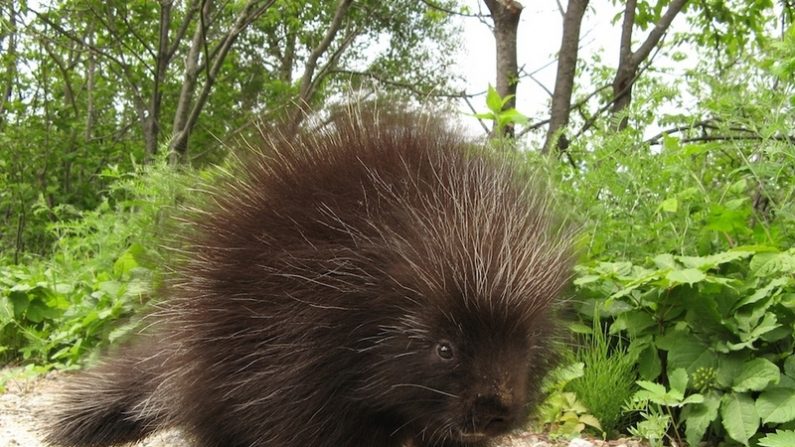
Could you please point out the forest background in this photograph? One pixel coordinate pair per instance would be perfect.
(110, 111)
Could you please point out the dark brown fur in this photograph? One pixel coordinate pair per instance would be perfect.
(375, 285)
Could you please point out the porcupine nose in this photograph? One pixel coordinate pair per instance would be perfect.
(491, 415)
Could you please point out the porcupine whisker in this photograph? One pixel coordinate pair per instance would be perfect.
(415, 385)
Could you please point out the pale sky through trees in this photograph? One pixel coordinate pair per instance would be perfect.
(539, 40)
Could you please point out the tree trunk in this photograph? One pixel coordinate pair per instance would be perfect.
(629, 61)
(179, 142)
(309, 80)
(162, 60)
(505, 14)
(11, 64)
(186, 118)
(91, 70)
(564, 79)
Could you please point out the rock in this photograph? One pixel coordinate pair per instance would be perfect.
(578, 442)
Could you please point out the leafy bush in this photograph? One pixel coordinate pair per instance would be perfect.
(726, 319)
(53, 311)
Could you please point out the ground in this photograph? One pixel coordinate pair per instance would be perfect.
(24, 400)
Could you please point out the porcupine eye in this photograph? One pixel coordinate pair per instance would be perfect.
(444, 350)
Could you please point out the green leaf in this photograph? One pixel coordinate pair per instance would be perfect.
(587, 279)
(782, 438)
(774, 286)
(127, 261)
(686, 276)
(38, 311)
(678, 381)
(768, 264)
(685, 351)
(756, 375)
(670, 205)
(739, 417)
(513, 116)
(698, 418)
(789, 366)
(493, 100)
(712, 261)
(665, 261)
(654, 390)
(776, 405)
(649, 364)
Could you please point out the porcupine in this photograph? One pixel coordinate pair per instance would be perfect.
(381, 283)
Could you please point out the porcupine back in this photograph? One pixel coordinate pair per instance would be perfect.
(378, 283)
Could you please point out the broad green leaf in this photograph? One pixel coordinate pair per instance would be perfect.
(649, 364)
(493, 100)
(588, 419)
(756, 375)
(692, 399)
(636, 322)
(781, 438)
(579, 328)
(739, 416)
(6, 310)
(789, 366)
(665, 261)
(615, 268)
(19, 302)
(776, 405)
(686, 351)
(768, 264)
(587, 279)
(678, 381)
(686, 276)
(712, 261)
(699, 416)
(513, 116)
(739, 186)
(774, 286)
(38, 311)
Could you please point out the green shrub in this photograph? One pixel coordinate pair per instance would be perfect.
(725, 320)
(102, 269)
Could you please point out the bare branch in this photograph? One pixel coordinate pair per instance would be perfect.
(433, 5)
(658, 31)
(191, 11)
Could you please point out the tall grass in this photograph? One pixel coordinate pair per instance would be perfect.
(608, 379)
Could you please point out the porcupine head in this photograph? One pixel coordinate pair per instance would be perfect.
(380, 283)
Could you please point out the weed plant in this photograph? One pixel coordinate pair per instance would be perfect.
(608, 379)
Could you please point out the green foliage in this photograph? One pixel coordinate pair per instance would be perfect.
(608, 379)
(79, 90)
(782, 438)
(656, 403)
(562, 413)
(497, 111)
(725, 318)
(103, 269)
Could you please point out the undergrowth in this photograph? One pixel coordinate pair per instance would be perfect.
(103, 268)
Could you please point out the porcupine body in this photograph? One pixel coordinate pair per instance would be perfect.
(379, 284)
